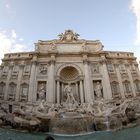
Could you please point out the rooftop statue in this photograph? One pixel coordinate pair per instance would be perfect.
(68, 35)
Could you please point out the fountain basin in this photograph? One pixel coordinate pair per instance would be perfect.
(71, 124)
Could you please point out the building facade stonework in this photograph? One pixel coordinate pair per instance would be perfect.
(66, 70)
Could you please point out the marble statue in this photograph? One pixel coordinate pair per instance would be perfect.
(69, 35)
(70, 100)
(98, 90)
(41, 92)
(69, 94)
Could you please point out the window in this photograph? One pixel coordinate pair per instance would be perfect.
(137, 86)
(122, 67)
(15, 69)
(27, 68)
(127, 87)
(12, 89)
(5, 69)
(24, 91)
(115, 88)
(2, 87)
(110, 67)
(132, 67)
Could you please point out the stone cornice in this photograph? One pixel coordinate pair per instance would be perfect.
(80, 41)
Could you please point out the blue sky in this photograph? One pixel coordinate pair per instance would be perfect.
(116, 23)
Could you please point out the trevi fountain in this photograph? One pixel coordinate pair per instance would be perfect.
(69, 87)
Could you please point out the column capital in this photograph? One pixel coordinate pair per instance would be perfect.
(103, 60)
(22, 64)
(85, 59)
(34, 62)
(34, 59)
(81, 77)
(57, 78)
(52, 59)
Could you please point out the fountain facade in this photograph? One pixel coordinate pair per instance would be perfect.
(69, 85)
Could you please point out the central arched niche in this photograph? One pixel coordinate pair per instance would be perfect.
(69, 73)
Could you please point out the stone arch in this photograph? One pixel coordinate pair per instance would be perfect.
(114, 82)
(2, 83)
(136, 80)
(125, 81)
(70, 71)
(24, 83)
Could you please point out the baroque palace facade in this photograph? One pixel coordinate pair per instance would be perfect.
(27, 78)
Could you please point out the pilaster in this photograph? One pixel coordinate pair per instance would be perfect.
(19, 82)
(81, 92)
(107, 93)
(87, 81)
(32, 79)
(120, 82)
(131, 80)
(58, 92)
(51, 83)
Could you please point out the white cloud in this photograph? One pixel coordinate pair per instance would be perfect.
(14, 35)
(7, 6)
(21, 39)
(10, 43)
(135, 7)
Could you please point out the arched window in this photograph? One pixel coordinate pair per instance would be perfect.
(15, 68)
(110, 67)
(122, 68)
(12, 91)
(24, 89)
(12, 88)
(2, 88)
(24, 92)
(127, 87)
(5, 69)
(27, 68)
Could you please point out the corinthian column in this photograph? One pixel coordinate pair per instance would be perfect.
(120, 82)
(19, 82)
(106, 81)
(131, 81)
(51, 84)
(32, 79)
(81, 92)
(138, 71)
(87, 81)
(58, 92)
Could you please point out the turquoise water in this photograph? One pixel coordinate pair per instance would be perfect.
(126, 134)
